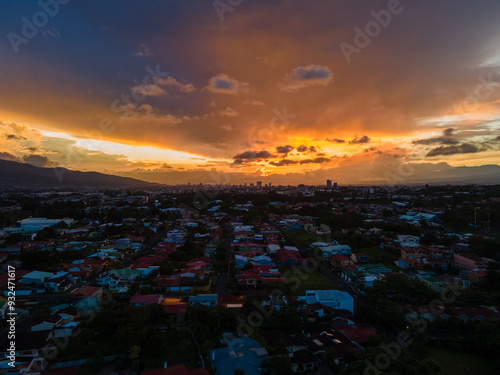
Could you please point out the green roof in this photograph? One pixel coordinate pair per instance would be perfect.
(125, 271)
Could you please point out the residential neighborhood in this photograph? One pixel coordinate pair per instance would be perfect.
(317, 281)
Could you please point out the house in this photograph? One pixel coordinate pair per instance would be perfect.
(337, 316)
(240, 353)
(432, 282)
(375, 268)
(406, 263)
(146, 299)
(320, 338)
(477, 276)
(359, 257)
(111, 282)
(288, 257)
(342, 260)
(47, 324)
(304, 361)
(204, 299)
(408, 241)
(336, 249)
(332, 298)
(174, 283)
(231, 301)
(60, 282)
(469, 262)
(457, 281)
(174, 306)
(126, 275)
(35, 278)
(86, 292)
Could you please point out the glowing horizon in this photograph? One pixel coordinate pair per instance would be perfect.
(183, 91)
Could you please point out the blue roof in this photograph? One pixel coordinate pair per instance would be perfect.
(203, 298)
(245, 354)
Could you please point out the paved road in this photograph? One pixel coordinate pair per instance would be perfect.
(223, 278)
(340, 283)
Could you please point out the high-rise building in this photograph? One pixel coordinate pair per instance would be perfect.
(329, 184)
(259, 184)
(335, 185)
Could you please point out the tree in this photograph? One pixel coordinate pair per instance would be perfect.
(280, 347)
(13, 238)
(278, 365)
(431, 366)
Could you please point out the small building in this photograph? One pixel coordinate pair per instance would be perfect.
(240, 353)
(204, 299)
(332, 298)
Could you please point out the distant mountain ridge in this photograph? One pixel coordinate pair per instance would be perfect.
(19, 174)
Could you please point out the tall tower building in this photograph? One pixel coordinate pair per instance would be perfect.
(329, 184)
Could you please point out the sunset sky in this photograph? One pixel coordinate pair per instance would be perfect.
(287, 92)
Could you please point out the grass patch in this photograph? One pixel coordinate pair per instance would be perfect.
(458, 363)
(312, 281)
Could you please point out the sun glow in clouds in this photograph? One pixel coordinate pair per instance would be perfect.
(133, 153)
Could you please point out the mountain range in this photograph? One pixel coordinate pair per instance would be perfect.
(26, 175)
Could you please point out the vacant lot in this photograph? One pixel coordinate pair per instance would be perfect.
(458, 363)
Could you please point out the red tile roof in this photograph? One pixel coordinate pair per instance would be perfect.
(147, 299)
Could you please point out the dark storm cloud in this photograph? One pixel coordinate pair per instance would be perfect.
(306, 149)
(315, 161)
(465, 148)
(13, 136)
(253, 155)
(446, 139)
(442, 140)
(283, 163)
(284, 149)
(448, 132)
(335, 140)
(361, 140)
(305, 76)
